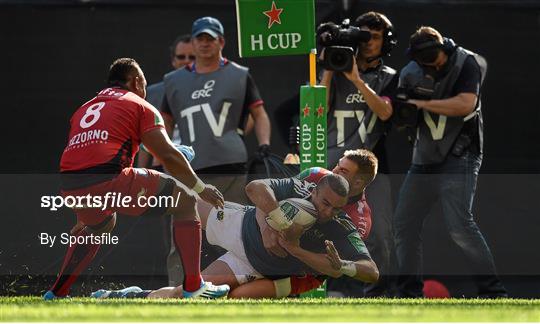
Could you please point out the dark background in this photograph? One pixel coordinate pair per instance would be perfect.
(55, 55)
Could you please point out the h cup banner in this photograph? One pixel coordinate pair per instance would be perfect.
(275, 27)
(313, 150)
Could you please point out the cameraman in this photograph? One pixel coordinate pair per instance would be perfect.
(359, 106)
(447, 156)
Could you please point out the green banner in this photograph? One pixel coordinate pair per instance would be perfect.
(275, 27)
(313, 127)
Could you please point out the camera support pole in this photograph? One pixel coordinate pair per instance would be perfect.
(313, 67)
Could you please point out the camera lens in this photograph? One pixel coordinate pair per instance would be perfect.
(339, 58)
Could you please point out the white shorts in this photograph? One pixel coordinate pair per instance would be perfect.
(224, 228)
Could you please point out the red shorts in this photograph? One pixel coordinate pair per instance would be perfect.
(131, 182)
(305, 283)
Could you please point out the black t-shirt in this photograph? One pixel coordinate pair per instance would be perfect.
(253, 97)
(252, 100)
(469, 78)
(339, 230)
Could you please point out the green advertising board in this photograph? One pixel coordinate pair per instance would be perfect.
(275, 27)
(312, 127)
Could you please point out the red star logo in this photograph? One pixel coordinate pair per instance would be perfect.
(273, 15)
(320, 111)
(306, 110)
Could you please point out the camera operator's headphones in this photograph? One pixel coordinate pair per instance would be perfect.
(389, 41)
(389, 37)
(448, 46)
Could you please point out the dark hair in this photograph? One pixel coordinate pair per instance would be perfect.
(378, 21)
(186, 38)
(425, 34)
(366, 161)
(120, 70)
(337, 183)
(425, 44)
(373, 20)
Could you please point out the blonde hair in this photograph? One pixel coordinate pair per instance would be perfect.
(366, 161)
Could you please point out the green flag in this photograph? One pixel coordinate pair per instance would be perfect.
(275, 27)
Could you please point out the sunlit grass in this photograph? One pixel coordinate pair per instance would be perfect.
(286, 310)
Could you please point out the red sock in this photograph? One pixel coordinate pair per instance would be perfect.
(77, 258)
(187, 239)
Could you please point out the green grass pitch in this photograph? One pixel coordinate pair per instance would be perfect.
(287, 310)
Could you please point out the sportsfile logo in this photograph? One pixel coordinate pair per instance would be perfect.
(206, 92)
(111, 200)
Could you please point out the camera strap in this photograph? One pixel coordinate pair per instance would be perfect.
(470, 123)
(471, 115)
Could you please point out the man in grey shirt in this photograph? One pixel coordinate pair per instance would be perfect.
(210, 101)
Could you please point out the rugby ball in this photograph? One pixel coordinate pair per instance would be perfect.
(292, 211)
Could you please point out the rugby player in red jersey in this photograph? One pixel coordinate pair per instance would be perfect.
(104, 137)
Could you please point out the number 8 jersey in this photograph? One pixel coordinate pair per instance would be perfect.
(106, 132)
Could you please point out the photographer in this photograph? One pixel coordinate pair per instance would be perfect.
(359, 90)
(447, 156)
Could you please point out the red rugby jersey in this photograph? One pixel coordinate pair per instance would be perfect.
(357, 207)
(106, 132)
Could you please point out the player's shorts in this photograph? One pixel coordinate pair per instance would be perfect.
(224, 228)
(131, 182)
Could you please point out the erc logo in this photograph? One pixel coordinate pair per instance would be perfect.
(206, 92)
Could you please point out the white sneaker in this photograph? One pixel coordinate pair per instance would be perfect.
(209, 291)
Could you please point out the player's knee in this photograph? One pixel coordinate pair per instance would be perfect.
(186, 208)
(235, 295)
(461, 238)
(190, 199)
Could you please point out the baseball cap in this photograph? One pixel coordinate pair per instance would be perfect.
(209, 25)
